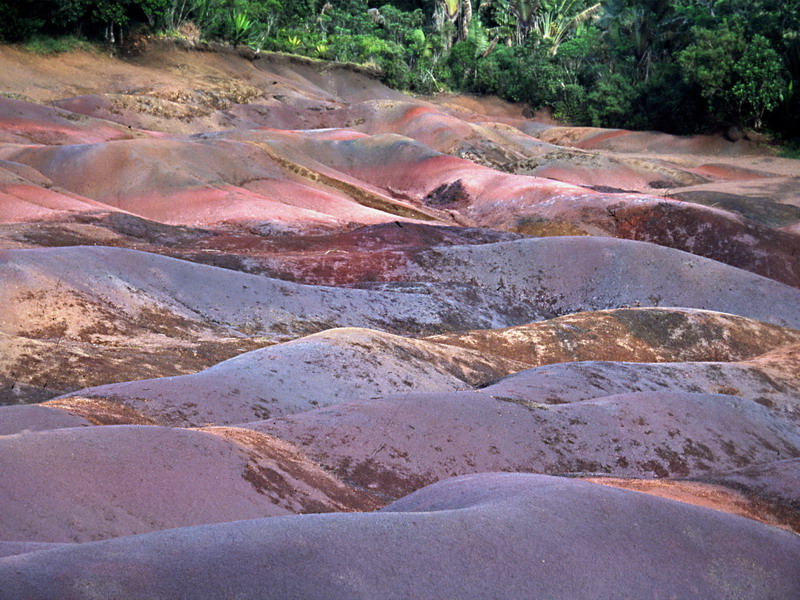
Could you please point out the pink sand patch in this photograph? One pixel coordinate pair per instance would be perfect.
(595, 140)
(209, 205)
(622, 177)
(336, 206)
(334, 134)
(418, 177)
(727, 172)
(22, 202)
(51, 133)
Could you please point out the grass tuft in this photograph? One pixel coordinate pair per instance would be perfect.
(790, 150)
(45, 45)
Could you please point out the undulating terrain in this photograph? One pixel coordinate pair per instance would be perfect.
(270, 329)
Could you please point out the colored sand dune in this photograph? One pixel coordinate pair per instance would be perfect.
(270, 329)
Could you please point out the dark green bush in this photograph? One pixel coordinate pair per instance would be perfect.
(675, 65)
(17, 25)
(519, 74)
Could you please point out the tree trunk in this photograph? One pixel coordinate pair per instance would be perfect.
(466, 17)
(451, 8)
(446, 18)
(491, 47)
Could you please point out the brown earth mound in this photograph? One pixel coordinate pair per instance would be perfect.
(630, 335)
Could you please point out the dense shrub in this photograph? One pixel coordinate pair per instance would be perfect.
(674, 65)
(16, 24)
(519, 74)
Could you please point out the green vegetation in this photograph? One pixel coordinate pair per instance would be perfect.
(680, 66)
(40, 44)
(791, 150)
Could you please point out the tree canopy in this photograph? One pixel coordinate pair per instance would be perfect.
(679, 66)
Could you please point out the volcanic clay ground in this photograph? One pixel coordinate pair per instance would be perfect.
(270, 329)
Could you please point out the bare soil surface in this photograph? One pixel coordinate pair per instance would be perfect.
(238, 290)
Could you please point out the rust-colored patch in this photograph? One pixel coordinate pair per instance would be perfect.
(630, 335)
(161, 320)
(727, 390)
(51, 331)
(733, 241)
(544, 228)
(40, 370)
(448, 195)
(676, 463)
(742, 502)
(278, 469)
(341, 267)
(655, 467)
(101, 411)
(380, 481)
(267, 481)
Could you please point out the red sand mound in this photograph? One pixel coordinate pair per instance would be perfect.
(25, 194)
(197, 182)
(26, 123)
(311, 181)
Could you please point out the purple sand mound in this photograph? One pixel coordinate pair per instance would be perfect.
(91, 483)
(395, 445)
(772, 384)
(35, 417)
(317, 370)
(486, 536)
(564, 275)
(17, 548)
(115, 284)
